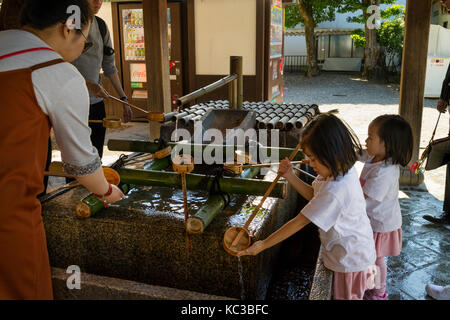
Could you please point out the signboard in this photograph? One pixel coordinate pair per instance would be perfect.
(138, 72)
(276, 29)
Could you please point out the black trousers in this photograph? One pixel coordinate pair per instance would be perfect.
(97, 112)
(447, 190)
(47, 165)
(447, 181)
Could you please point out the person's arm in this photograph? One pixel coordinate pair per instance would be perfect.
(287, 230)
(68, 113)
(96, 183)
(96, 90)
(305, 190)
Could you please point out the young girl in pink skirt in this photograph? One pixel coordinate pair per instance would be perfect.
(389, 145)
(336, 205)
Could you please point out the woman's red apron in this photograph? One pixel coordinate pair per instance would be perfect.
(24, 133)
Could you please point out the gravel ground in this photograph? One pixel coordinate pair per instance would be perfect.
(360, 101)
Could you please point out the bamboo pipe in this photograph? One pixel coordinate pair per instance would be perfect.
(213, 206)
(202, 91)
(281, 124)
(272, 122)
(291, 123)
(263, 123)
(301, 122)
(244, 229)
(91, 203)
(157, 164)
(200, 182)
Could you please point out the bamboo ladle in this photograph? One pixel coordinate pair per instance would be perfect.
(112, 123)
(147, 157)
(183, 164)
(236, 238)
(238, 168)
(153, 116)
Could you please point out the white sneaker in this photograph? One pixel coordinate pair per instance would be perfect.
(438, 292)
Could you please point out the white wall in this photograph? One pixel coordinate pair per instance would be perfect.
(106, 14)
(294, 46)
(224, 29)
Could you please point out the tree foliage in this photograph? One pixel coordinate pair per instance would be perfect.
(390, 35)
(323, 10)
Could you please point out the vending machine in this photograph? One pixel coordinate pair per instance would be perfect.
(130, 39)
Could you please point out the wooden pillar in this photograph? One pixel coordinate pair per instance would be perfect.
(157, 59)
(414, 64)
(235, 92)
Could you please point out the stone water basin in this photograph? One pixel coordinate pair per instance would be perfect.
(142, 239)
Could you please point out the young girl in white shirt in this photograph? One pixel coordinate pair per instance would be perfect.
(389, 145)
(336, 205)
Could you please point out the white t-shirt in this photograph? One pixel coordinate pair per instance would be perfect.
(379, 181)
(339, 210)
(62, 95)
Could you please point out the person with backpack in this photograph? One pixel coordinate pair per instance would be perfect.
(99, 54)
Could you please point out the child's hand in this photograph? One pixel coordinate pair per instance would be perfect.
(253, 250)
(285, 168)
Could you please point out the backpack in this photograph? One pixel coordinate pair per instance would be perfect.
(103, 29)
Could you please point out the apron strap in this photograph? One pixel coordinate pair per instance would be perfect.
(38, 66)
(46, 64)
(25, 51)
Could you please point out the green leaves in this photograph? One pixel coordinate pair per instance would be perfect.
(359, 38)
(322, 10)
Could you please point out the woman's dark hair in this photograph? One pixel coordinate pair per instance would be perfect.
(42, 14)
(332, 142)
(398, 138)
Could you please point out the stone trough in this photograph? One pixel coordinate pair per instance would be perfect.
(143, 240)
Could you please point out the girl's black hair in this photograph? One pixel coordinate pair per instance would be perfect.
(332, 142)
(397, 135)
(42, 14)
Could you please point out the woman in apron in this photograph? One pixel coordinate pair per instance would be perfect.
(39, 90)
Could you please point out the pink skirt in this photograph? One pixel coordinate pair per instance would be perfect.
(352, 285)
(388, 243)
